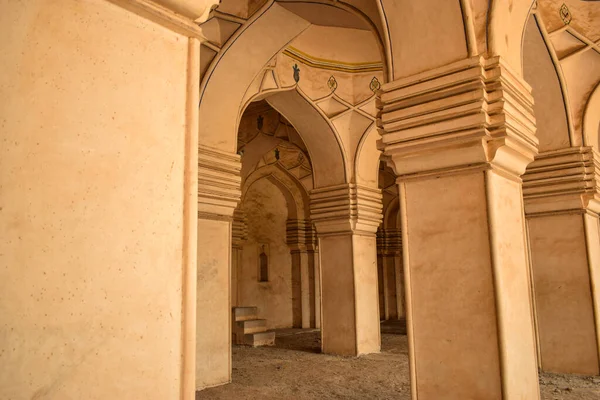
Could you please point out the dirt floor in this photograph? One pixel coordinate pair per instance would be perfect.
(295, 369)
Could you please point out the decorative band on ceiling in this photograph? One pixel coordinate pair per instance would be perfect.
(332, 65)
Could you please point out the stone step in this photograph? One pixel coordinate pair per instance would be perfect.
(251, 326)
(260, 339)
(244, 313)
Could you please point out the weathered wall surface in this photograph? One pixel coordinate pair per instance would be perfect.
(91, 206)
(266, 210)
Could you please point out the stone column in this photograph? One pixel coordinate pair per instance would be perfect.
(218, 195)
(387, 248)
(346, 218)
(394, 248)
(562, 202)
(317, 268)
(239, 230)
(300, 240)
(459, 137)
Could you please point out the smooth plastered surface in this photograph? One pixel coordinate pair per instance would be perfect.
(92, 202)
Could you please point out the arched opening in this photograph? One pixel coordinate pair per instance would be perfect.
(289, 55)
(320, 75)
(558, 56)
(274, 247)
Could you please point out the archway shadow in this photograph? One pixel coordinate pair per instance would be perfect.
(305, 340)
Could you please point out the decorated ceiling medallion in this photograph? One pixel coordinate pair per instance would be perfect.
(296, 73)
(332, 83)
(375, 85)
(565, 14)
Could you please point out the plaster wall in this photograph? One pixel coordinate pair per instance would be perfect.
(549, 107)
(346, 45)
(582, 74)
(564, 307)
(91, 208)
(266, 213)
(434, 37)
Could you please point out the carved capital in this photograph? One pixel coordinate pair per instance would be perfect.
(564, 180)
(346, 208)
(475, 113)
(389, 242)
(219, 183)
(239, 228)
(300, 235)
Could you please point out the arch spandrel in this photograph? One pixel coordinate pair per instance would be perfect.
(226, 82)
(541, 73)
(506, 29)
(591, 120)
(293, 191)
(424, 34)
(368, 158)
(324, 147)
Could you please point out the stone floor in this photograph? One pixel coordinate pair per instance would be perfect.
(295, 369)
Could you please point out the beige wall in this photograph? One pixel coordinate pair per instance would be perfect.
(266, 213)
(91, 175)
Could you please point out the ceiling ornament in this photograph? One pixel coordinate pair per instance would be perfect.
(332, 83)
(565, 14)
(296, 73)
(375, 85)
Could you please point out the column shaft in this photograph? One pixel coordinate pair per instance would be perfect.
(346, 218)
(218, 195)
(391, 310)
(562, 205)
(316, 263)
(458, 138)
(300, 238)
(239, 235)
(400, 301)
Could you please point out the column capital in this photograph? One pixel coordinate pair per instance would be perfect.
(474, 113)
(565, 180)
(219, 183)
(389, 241)
(300, 235)
(239, 228)
(346, 208)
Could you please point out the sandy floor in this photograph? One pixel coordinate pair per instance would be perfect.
(294, 369)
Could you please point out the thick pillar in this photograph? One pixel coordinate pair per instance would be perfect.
(300, 238)
(239, 234)
(459, 137)
(395, 249)
(315, 263)
(388, 247)
(562, 202)
(346, 218)
(218, 195)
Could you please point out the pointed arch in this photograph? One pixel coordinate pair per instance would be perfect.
(292, 189)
